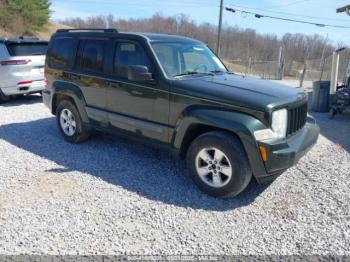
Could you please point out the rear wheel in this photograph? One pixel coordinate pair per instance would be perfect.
(218, 164)
(70, 123)
(3, 98)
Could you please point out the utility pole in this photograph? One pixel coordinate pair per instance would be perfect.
(219, 28)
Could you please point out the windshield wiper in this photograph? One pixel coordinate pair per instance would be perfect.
(38, 53)
(217, 71)
(187, 73)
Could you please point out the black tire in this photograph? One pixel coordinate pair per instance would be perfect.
(81, 132)
(232, 147)
(3, 98)
(332, 113)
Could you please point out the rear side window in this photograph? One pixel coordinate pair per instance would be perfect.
(127, 54)
(61, 53)
(27, 49)
(92, 56)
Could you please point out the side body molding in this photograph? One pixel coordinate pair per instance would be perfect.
(240, 124)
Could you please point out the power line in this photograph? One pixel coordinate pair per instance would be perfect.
(289, 4)
(284, 19)
(194, 4)
(288, 14)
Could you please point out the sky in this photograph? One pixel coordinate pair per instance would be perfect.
(317, 11)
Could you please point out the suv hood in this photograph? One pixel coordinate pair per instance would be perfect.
(240, 91)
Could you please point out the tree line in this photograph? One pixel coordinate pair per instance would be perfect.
(238, 44)
(23, 17)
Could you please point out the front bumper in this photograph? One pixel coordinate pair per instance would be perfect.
(283, 154)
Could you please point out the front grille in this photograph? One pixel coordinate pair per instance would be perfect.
(296, 119)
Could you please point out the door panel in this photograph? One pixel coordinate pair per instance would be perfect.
(94, 89)
(146, 104)
(91, 72)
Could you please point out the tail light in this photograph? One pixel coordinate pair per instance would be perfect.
(14, 62)
(45, 78)
(25, 83)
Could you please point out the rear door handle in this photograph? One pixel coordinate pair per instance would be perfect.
(137, 93)
(113, 84)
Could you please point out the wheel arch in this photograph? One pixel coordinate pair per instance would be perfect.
(195, 130)
(197, 121)
(71, 92)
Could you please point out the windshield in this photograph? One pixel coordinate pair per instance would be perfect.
(27, 49)
(187, 58)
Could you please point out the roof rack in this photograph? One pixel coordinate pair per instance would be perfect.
(28, 38)
(105, 30)
(23, 40)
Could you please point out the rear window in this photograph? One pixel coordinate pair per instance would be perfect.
(61, 53)
(27, 49)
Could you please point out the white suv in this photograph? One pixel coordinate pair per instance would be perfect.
(22, 62)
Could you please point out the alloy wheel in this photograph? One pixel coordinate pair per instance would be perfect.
(213, 167)
(67, 122)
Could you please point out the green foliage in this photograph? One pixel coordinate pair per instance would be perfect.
(27, 15)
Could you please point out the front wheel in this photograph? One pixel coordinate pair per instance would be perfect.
(218, 164)
(70, 123)
(332, 113)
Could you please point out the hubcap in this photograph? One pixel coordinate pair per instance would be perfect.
(213, 167)
(67, 122)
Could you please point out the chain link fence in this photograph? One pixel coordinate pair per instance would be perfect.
(261, 69)
(311, 70)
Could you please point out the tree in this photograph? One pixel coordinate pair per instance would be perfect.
(24, 16)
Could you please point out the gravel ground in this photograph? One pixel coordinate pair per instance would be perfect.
(111, 196)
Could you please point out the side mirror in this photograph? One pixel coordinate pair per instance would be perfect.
(139, 73)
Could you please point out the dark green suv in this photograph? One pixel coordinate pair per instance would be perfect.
(173, 91)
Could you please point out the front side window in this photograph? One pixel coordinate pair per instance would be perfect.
(180, 58)
(61, 52)
(128, 54)
(92, 57)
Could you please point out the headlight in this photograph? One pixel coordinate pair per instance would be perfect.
(279, 122)
(278, 126)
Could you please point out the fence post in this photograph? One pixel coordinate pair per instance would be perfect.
(302, 76)
(279, 65)
(323, 61)
(250, 65)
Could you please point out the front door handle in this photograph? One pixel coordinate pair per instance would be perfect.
(74, 77)
(136, 93)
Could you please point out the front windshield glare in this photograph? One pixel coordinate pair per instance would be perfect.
(178, 59)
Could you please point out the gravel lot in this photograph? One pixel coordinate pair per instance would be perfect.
(111, 196)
